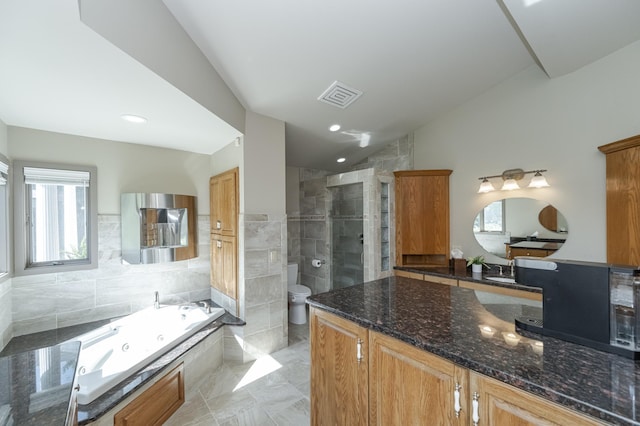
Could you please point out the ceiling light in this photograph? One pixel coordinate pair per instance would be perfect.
(511, 178)
(341, 160)
(334, 127)
(133, 118)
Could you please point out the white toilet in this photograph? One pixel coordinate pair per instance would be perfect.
(297, 295)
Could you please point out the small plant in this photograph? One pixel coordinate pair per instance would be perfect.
(478, 260)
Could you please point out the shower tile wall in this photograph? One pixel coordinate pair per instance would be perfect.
(397, 155)
(307, 231)
(48, 301)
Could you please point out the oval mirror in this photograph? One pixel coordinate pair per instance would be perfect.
(520, 227)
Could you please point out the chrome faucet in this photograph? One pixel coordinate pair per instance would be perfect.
(156, 304)
(500, 269)
(206, 306)
(511, 266)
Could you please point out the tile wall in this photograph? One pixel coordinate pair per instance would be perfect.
(49, 301)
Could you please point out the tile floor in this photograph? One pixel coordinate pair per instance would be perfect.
(273, 390)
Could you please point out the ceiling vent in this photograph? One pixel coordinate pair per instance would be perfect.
(340, 95)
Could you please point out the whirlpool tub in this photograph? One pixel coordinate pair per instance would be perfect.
(115, 351)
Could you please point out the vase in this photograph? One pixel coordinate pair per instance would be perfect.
(476, 268)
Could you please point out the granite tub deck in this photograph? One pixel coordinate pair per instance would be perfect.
(36, 385)
(29, 345)
(444, 320)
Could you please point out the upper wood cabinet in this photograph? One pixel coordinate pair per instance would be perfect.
(223, 202)
(623, 201)
(422, 217)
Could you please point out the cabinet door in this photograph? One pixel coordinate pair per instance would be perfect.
(502, 404)
(223, 264)
(223, 199)
(422, 217)
(339, 371)
(408, 386)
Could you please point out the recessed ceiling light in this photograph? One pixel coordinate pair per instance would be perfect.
(133, 118)
(334, 127)
(341, 160)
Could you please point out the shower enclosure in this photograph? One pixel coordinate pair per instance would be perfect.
(359, 227)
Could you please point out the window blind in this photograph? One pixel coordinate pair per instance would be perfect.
(4, 170)
(34, 175)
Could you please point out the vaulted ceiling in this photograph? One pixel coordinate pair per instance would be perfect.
(75, 67)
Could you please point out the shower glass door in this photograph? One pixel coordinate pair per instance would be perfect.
(347, 235)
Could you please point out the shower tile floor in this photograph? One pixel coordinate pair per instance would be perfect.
(273, 390)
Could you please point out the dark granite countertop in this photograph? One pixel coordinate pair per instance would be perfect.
(445, 320)
(482, 278)
(36, 385)
(20, 375)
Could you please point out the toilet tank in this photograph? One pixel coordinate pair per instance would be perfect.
(292, 274)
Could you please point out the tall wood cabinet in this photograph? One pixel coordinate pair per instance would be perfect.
(422, 217)
(623, 201)
(223, 207)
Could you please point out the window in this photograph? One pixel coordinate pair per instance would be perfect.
(4, 216)
(56, 218)
(491, 218)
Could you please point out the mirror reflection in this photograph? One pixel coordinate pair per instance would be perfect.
(520, 227)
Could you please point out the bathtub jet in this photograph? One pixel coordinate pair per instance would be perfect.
(115, 351)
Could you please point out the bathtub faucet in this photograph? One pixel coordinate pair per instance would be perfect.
(206, 306)
(156, 303)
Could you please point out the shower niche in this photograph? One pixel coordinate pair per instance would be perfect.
(158, 228)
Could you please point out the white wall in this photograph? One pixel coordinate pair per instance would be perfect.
(531, 121)
(122, 167)
(264, 165)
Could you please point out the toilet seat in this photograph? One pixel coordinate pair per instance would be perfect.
(299, 290)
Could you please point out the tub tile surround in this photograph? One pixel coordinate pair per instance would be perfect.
(262, 289)
(47, 301)
(6, 327)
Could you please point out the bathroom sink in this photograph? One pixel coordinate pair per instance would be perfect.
(502, 279)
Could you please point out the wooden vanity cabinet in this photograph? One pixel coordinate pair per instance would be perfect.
(502, 404)
(362, 377)
(339, 370)
(223, 205)
(623, 201)
(422, 217)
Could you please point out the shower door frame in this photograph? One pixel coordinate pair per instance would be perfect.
(371, 219)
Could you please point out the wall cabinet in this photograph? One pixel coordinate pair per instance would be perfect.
(623, 201)
(224, 196)
(355, 370)
(422, 217)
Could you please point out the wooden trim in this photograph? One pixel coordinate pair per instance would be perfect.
(501, 290)
(631, 142)
(407, 274)
(156, 404)
(439, 172)
(441, 280)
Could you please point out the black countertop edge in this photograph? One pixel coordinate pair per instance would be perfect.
(493, 271)
(460, 358)
(92, 411)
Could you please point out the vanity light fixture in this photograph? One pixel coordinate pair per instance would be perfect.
(511, 178)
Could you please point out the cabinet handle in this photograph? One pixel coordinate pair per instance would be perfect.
(218, 224)
(359, 350)
(476, 414)
(219, 244)
(456, 400)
